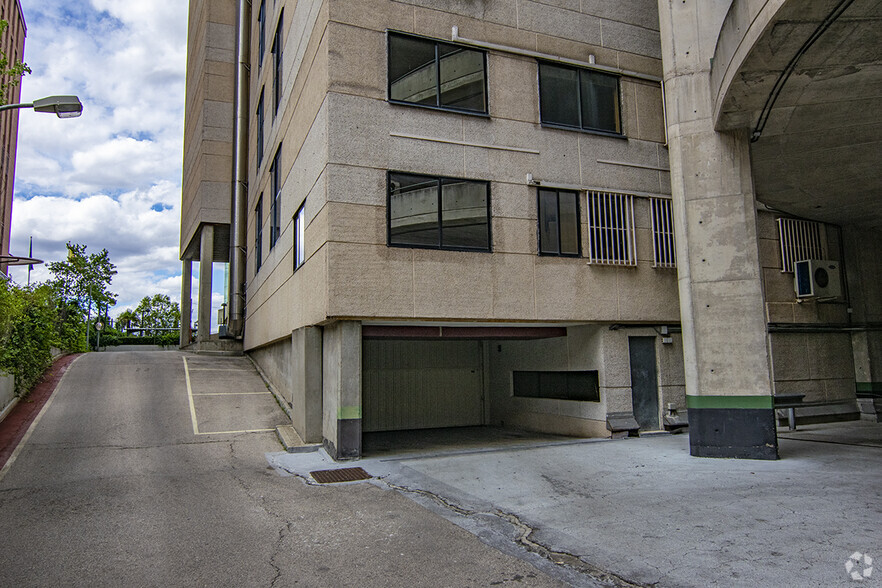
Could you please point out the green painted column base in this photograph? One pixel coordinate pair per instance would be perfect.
(741, 427)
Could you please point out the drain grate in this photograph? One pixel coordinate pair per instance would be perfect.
(341, 475)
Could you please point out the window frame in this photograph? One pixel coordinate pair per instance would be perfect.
(261, 121)
(619, 134)
(439, 181)
(624, 209)
(798, 238)
(276, 203)
(299, 248)
(261, 33)
(258, 234)
(664, 239)
(438, 106)
(558, 191)
(278, 61)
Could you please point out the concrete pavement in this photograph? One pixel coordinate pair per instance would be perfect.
(643, 512)
(115, 488)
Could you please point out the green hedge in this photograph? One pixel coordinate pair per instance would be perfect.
(30, 325)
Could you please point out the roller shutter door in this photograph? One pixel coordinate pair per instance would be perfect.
(410, 384)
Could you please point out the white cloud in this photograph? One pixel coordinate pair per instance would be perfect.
(111, 178)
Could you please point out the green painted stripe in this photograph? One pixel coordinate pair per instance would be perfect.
(746, 402)
(349, 412)
(868, 386)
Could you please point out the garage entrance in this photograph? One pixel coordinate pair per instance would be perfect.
(414, 384)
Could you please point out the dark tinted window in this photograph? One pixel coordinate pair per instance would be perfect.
(579, 98)
(559, 222)
(436, 74)
(581, 385)
(443, 213)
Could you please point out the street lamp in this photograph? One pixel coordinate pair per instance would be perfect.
(62, 106)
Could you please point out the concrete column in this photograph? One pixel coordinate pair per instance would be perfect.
(186, 301)
(726, 353)
(306, 383)
(341, 389)
(206, 256)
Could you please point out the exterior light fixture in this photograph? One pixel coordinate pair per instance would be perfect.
(62, 106)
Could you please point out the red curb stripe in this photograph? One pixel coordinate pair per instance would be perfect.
(17, 422)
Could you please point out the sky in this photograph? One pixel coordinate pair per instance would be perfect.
(110, 179)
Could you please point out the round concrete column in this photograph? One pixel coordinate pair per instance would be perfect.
(728, 375)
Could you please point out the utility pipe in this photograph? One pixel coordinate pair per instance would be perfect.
(238, 224)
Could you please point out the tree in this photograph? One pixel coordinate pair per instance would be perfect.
(10, 72)
(158, 312)
(126, 320)
(83, 281)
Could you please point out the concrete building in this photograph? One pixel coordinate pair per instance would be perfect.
(445, 214)
(13, 46)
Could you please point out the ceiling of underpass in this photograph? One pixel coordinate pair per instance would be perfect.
(819, 151)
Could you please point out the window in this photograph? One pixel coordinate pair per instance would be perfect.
(277, 68)
(579, 98)
(299, 234)
(801, 240)
(435, 74)
(260, 129)
(258, 234)
(582, 385)
(276, 204)
(663, 252)
(611, 229)
(261, 33)
(438, 213)
(559, 223)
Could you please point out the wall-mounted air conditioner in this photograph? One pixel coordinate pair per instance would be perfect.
(817, 278)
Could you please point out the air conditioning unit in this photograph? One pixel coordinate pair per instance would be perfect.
(817, 278)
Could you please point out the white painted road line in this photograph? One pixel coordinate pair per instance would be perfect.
(190, 396)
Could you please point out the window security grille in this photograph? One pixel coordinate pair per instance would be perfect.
(801, 240)
(611, 229)
(664, 254)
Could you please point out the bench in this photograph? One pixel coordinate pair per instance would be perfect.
(790, 402)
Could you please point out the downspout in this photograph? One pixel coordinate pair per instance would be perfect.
(238, 225)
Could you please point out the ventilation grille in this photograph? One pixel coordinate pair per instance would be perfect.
(801, 240)
(663, 251)
(611, 229)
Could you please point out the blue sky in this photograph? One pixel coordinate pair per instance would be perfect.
(111, 178)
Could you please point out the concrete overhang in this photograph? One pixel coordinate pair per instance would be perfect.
(804, 77)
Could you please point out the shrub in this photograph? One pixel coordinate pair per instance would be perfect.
(27, 333)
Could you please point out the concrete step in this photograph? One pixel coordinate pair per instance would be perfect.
(292, 441)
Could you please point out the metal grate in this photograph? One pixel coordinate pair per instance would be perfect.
(663, 250)
(340, 475)
(611, 229)
(801, 240)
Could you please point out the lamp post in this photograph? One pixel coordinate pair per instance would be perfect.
(61, 106)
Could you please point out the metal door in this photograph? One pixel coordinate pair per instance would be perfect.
(644, 382)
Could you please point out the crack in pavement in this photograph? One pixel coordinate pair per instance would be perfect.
(524, 531)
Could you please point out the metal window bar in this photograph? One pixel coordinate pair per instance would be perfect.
(663, 244)
(611, 229)
(800, 240)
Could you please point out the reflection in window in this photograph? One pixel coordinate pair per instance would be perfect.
(579, 98)
(432, 73)
(441, 213)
